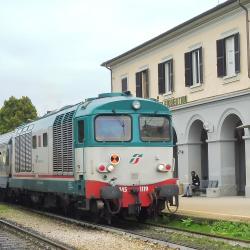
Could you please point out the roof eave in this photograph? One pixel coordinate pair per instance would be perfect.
(180, 29)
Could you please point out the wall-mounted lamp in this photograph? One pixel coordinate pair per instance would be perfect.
(208, 127)
(180, 151)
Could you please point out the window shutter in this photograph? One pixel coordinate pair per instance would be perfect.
(221, 71)
(171, 75)
(145, 72)
(161, 78)
(138, 79)
(188, 69)
(201, 65)
(237, 52)
(124, 84)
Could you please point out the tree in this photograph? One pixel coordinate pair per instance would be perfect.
(16, 112)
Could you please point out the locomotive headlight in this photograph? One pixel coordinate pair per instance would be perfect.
(110, 168)
(161, 167)
(102, 169)
(136, 105)
(164, 168)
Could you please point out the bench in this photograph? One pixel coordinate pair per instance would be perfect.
(204, 184)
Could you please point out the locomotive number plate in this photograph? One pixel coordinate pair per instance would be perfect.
(141, 189)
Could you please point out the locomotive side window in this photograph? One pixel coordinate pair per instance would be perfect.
(80, 131)
(45, 139)
(154, 128)
(113, 128)
(34, 141)
(39, 141)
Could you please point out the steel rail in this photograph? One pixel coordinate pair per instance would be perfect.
(218, 237)
(122, 231)
(113, 229)
(36, 236)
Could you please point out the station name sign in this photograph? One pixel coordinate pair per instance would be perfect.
(175, 101)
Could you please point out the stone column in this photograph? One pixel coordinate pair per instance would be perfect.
(221, 164)
(247, 155)
(183, 168)
(228, 182)
(189, 158)
(214, 160)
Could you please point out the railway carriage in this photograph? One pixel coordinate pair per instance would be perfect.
(109, 155)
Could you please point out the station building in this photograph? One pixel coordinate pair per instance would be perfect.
(201, 70)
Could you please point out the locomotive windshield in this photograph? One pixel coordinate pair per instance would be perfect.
(154, 128)
(113, 128)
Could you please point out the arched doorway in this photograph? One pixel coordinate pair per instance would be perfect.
(198, 149)
(175, 154)
(233, 153)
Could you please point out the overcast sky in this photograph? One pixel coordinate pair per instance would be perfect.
(51, 50)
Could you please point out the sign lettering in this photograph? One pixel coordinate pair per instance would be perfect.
(175, 101)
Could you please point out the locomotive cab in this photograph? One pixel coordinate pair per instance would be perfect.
(124, 154)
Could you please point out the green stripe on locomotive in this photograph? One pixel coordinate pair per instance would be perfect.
(117, 105)
(55, 186)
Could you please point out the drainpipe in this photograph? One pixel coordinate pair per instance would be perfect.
(247, 33)
(110, 77)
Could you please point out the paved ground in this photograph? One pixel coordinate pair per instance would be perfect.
(236, 208)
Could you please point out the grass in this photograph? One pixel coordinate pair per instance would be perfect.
(3, 208)
(234, 230)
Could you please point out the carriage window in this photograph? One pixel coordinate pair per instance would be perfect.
(154, 128)
(45, 139)
(113, 128)
(81, 131)
(34, 141)
(39, 141)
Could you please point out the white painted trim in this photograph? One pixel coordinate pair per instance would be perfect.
(194, 47)
(124, 76)
(230, 79)
(142, 68)
(228, 33)
(195, 85)
(168, 94)
(166, 58)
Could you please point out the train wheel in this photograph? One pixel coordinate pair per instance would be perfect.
(143, 215)
(172, 204)
(2, 195)
(94, 211)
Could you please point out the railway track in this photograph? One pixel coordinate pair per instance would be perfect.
(218, 237)
(15, 237)
(176, 239)
(208, 239)
(112, 229)
(163, 235)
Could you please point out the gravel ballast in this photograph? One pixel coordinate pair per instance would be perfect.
(72, 235)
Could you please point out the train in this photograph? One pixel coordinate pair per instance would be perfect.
(110, 155)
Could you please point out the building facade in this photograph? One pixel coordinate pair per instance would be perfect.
(201, 70)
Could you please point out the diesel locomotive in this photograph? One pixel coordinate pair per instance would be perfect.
(108, 155)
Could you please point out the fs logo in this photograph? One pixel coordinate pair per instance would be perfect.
(136, 158)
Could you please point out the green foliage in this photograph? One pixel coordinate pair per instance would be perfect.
(187, 222)
(16, 112)
(3, 208)
(234, 229)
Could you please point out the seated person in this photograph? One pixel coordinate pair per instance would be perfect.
(190, 187)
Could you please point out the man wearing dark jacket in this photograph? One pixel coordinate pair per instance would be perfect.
(195, 184)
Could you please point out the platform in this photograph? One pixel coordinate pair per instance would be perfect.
(234, 208)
